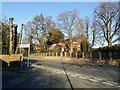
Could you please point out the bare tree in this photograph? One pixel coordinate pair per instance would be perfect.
(93, 33)
(106, 15)
(38, 28)
(80, 32)
(67, 22)
(87, 21)
(101, 41)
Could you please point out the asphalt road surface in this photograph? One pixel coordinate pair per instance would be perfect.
(47, 74)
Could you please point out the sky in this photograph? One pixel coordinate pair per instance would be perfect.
(25, 11)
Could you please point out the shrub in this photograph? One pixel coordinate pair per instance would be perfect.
(84, 46)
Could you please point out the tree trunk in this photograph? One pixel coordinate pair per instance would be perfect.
(110, 43)
(90, 56)
(71, 47)
(99, 55)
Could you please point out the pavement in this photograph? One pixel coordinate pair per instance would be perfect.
(51, 74)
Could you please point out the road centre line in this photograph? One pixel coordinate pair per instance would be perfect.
(77, 75)
(73, 75)
(107, 83)
(93, 80)
(112, 82)
(99, 79)
(83, 77)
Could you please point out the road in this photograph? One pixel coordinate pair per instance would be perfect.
(48, 74)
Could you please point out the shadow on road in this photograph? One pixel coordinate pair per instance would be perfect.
(31, 78)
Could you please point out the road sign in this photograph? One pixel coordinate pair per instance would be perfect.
(24, 45)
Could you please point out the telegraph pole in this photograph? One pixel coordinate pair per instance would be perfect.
(19, 40)
(11, 36)
(15, 37)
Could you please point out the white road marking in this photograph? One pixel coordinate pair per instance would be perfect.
(94, 69)
(112, 82)
(75, 66)
(78, 74)
(93, 80)
(49, 74)
(73, 75)
(58, 72)
(83, 77)
(107, 83)
(99, 79)
(34, 65)
(63, 72)
(39, 66)
(68, 73)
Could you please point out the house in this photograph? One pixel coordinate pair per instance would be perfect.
(36, 47)
(65, 45)
(56, 46)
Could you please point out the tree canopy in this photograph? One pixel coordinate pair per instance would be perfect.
(55, 36)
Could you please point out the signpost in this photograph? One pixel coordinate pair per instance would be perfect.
(25, 46)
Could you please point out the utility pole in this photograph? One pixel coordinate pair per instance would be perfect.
(11, 36)
(15, 37)
(19, 40)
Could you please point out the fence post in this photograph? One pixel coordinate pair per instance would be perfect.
(83, 56)
(49, 54)
(99, 55)
(90, 56)
(56, 54)
(46, 54)
(65, 54)
(70, 54)
(76, 55)
(110, 55)
(52, 54)
(61, 54)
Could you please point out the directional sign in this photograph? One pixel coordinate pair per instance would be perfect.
(24, 45)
